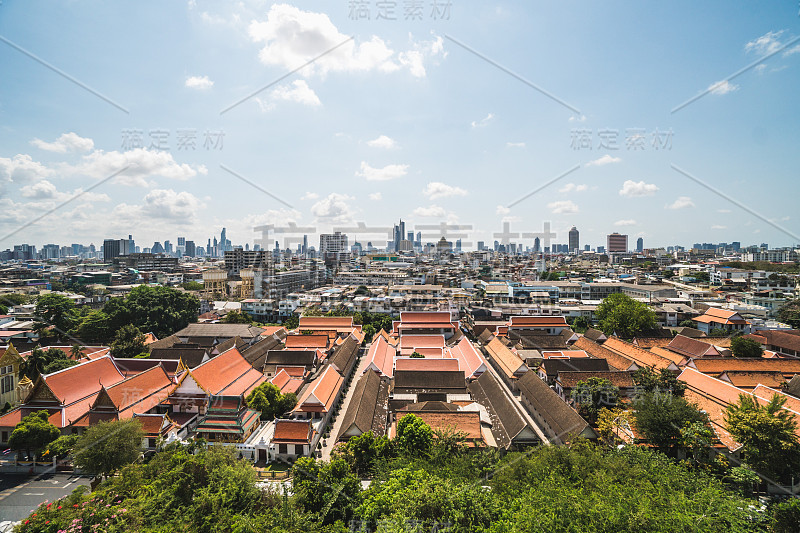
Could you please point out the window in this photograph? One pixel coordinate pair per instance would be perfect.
(6, 384)
(4, 436)
(282, 448)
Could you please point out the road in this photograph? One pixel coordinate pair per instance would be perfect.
(21, 493)
(337, 425)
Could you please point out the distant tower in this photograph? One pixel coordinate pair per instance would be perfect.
(639, 245)
(574, 240)
(537, 245)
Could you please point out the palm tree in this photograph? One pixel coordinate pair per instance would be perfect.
(34, 364)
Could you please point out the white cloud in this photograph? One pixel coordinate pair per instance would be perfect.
(292, 37)
(310, 196)
(166, 203)
(502, 210)
(198, 82)
(681, 203)
(515, 145)
(375, 196)
(41, 190)
(766, 44)
(67, 142)
(298, 92)
(604, 160)
(573, 187)
(633, 189)
(334, 208)
(180, 208)
(625, 222)
(382, 142)
(483, 122)
(389, 172)
(790, 51)
(717, 226)
(432, 211)
(141, 164)
(22, 168)
(562, 207)
(437, 189)
(722, 87)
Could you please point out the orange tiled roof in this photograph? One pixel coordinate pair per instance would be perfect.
(596, 350)
(228, 373)
(306, 341)
(430, 365)
(76, 382)
(381, 355)
(538, 321)
(641, 357)
(292, 431)
(321, 393)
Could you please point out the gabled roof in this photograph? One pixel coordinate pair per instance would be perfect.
(305, 358)
(344, 355)
(538, 321)
(789, 367)
(325, 322)
(430, 380)
(570, 378)
(469, 359)
(421, 341)
(321, 393)
(781, 339)
(560, 421)
(292, 432)
(614, 359)
(691, 347)
(507, 422)
(750, 380)
(228, 374)
(425, 317)
(595, 335)
(286, 382)
(720, 316)
(220, 331)
(361, 412)
(141, 392)
(380, 357)
(639, 356)
(82, 380)
(306, 341)
(509, 362)
(423, 365)
(552, 367)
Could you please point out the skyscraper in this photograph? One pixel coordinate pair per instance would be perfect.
(537, 245)
(639, 245)
(574, 240)
(617, 243)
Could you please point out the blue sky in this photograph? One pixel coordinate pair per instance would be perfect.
(404, 120)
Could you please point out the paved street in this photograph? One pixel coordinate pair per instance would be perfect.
(20, 493)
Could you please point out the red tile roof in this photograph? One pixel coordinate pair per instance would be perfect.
(380, 357)
(306, 341)
(321, 393)
(79, 381)
(292, 431)
(429, 365)
(228, 373)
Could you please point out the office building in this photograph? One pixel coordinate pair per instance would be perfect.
(616, 243)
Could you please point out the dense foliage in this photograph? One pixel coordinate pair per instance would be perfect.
(790, 313)
(744, 347)
(622, 315)
(660, 417)
(128, 342)
(583, 488)
(268, 399)
(33, 434)
(594, 394)
(108, 446)
(158, 310)
(767, 434)
(41, 361)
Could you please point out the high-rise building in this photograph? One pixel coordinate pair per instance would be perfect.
(574, 240)
(639, 245)
(111, 248)
(537, 245)
(181, 241)
(332, 242)
(191, 249)
(616, 243)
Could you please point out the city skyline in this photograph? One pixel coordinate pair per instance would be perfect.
(467, 117)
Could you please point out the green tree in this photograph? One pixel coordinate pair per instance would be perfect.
(33, 433)
(128, 342)
(660, 417)
(744, 347)
(369, 332)
(414, 436)
(362, 452)
(790, 313)
(767, 434)
(108, 446)
(328, 490)
(33, 365)
(237, 317)
(786, 516)
(647, 380)
(592, 395)
(686, 323)
(291, 322)
(56, 310)
(268, 399)
(58, 364)
(62, 446)
(581, 324)
(193, 286)
(161, 310)
(361, 290)
(94, 327)
(619, 313)
(417, 355)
